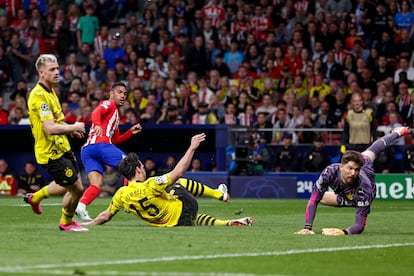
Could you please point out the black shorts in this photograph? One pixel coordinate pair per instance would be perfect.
(63, 170)
(190, 205)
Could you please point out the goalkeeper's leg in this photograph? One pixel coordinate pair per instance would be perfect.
(385, 141)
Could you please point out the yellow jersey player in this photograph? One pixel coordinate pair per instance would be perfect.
(52, 148)
(166, 200)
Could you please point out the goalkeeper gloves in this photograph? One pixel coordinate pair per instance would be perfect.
(304, 232)
(334, 232)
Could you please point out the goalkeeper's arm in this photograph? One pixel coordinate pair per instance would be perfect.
(359, 225)
(357, 228)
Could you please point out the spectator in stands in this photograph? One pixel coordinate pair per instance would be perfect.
(393, 122)
(221, 66)
(403, 99)
(307, 136)
(214, 80)
(86, 115)
(5, 70)
(195, 165)
(266, 106)
(404, 66)
(240, 27)
(325, 118)
(320, 89)
(264, 127)
(4, 114)
(196, 59)
(82, 55)
(404, 20)
(409, 120)
(18, 55)
(317, 158)
(87, 27)
(216, 107)
(282, 123)
(230, 117)
(331, 68)
(150, 114)
(170, 115)
(382, 71)
(204, 116)
(247, 86)
(114, 52)
(368, 100)
(233, 58)
(18, 117)
(269, 88)
(102, 41)
(358, 125)
(150, 167)
(209, 31)
(30, 180)
(169, 163)
(8, 178)
(404, 45)
(287, 157)
(409, 157)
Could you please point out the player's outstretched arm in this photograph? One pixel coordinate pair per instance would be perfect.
(185, 161)
(102, 218)
(53, 128)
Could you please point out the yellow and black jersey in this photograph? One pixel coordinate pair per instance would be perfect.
(43, 104)
(149, 201)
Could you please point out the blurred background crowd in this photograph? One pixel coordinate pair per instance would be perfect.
(211, 62)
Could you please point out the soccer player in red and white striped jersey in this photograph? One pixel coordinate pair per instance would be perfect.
(99, 150)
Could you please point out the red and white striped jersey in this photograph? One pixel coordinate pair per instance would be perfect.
(215, 12)
(105, 115)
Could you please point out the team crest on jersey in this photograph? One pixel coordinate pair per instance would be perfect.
(106, 104)
(68, 172)
(349, 196)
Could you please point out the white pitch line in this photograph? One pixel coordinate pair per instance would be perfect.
(140, 273)
(203, 257)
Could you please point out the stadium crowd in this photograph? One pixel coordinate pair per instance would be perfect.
(295, 63)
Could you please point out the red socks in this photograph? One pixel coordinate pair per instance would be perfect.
(90, 194)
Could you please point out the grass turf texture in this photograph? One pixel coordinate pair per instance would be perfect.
(33, 245)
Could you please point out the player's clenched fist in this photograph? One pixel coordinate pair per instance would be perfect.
(304, 232)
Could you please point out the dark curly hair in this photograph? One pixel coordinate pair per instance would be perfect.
(128, 165)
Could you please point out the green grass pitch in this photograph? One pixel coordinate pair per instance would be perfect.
(33, 245)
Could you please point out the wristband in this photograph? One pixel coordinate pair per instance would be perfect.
(345, 232)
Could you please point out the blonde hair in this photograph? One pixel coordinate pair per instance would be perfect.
(42, 59)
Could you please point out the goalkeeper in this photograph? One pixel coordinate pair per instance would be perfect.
(353, 185)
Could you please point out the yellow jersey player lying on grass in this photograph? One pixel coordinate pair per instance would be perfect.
(166, 200)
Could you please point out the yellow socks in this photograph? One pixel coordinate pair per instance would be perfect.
(206, 220)
(198, 189)
(40, 195)
(66, 217)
